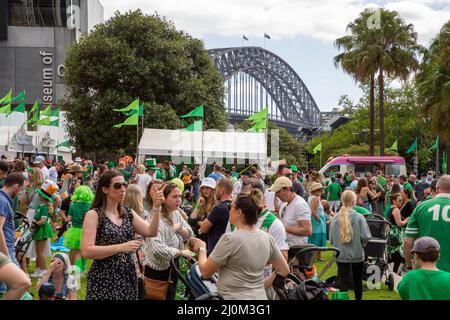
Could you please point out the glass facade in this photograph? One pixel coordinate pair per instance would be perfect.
(42, 13)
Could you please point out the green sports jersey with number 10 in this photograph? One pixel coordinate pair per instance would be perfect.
(432, 218)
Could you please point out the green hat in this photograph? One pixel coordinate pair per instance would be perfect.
(47, 190)
(111, 164)
(151, 162)
(151, 168)
(294, 168)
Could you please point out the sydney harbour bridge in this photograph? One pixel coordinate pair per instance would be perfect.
(256, 78)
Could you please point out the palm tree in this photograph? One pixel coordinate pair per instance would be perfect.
(356, 61)
(388, 50)
(396, 55)
(433, 83)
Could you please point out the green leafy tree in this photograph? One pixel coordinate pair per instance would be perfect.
(433, 81)
(132, 56)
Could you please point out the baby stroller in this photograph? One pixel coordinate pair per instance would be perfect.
(375, 249)
(197, 288)
(303, 282)
(24, 236)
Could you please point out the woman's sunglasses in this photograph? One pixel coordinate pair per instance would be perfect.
(119, 185)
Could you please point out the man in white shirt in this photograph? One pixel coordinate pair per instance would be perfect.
(39, 161)
(53, 173)
(143, 180)
(294, 212)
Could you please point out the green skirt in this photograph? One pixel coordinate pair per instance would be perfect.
(72, 238)
(43, 232)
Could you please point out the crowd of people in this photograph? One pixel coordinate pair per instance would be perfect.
(134, 220)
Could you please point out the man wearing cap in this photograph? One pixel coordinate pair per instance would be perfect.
(298, 186)
(431, 218)
(294, 212)
(272, 202)
(39, 161)
(426, 282)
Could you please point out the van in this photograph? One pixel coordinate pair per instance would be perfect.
(360, 165)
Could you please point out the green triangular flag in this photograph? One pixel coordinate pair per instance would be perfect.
(197, 112)
(34, 112)
(444, 163)
(260, 116)
(48, 111)
(42, 122)
(258, 126)
(394, 146)
(19, 97)
(130, 121)
(317, 148)
(55, 113)
(435, 145)
(6, 109)
(132, 106)
(140, 111)
(413, 147)
(7, 97)
(196, 126)
(19, 108)
(64, 144)
(54, 123)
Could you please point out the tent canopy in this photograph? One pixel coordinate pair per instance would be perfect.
(215, 144)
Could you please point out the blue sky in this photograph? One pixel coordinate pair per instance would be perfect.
(302, 31)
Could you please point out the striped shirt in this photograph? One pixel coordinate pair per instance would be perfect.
(161, 249)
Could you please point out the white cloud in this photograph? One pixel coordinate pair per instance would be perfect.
(324, 20)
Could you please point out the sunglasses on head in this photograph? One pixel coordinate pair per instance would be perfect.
(119, 185)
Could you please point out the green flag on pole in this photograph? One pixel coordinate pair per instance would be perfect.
(140, 111)
(394, 146)
(65, 144)
(54, 123)
(317, 148)
(6, 109)
(7, 97)
(259, 116)
(435, 145)
(48, 111)
(34, 112)
(19, 108)
(130, 121)
(196, 126)
(444, 163)
(42, 122)
(19, 97)
(413, 147)
(197, 112)
(132, 106)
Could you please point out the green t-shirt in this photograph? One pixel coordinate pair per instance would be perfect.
(158, 174)
(41, 211)
(407, 186)
(432, 218)
(77, 211)
(425, 285)
(334, 192)
(168, 175)
(126, 175)
(382, 182)
(235, 174)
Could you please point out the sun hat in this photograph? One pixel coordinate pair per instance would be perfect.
(47, 190)
(208, 182)
(280, 183)
(75, 168)
(39, 159)
(315, 186)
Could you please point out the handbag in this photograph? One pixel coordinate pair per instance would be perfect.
(141, 285)
(157, 289)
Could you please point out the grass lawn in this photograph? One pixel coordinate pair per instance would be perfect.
(383, 294)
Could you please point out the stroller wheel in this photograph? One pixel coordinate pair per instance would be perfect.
(390, 282)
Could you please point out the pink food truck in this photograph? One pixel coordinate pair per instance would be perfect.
(362, 164)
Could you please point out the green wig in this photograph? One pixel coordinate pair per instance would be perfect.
(83, 194)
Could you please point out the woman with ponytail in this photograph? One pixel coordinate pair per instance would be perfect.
(349, 232)
(240, 256)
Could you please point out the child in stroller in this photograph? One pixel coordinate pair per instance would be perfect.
(303, 282)
(196, 288)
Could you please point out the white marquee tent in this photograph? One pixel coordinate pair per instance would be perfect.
(214, 144)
